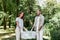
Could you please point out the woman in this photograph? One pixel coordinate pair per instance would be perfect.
(19, 25)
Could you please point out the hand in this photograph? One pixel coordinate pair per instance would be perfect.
(40, 28)
(31, 29)
(25, 29)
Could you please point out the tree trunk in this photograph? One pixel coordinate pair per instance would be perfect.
(17, 3)
(10, 20)
(4, 19)
(4, 23)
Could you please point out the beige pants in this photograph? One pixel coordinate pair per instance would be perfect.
(40, 34)
(18, 33)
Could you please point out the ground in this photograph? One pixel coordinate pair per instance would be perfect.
(9, 34)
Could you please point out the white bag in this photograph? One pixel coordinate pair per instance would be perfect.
(28, 34)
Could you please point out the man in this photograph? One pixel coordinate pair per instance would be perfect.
(38, 25)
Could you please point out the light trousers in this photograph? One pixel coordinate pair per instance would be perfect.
(18, 33)
(40, 34)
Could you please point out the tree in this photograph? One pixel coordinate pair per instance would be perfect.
(17, 3)
(4, 7)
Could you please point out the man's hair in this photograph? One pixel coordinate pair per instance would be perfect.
(39, 9)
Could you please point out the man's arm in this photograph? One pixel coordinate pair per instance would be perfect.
(34, 24)
(32, 28)
(40, 28)
(41, 24)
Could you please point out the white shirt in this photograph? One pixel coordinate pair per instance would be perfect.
(39, 21)
(20, 21)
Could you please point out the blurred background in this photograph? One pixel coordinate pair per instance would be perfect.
(9, 10)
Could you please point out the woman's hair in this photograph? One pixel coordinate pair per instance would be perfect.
(20, 13)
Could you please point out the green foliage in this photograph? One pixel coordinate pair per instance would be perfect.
(2, 14)
(13, 7)
(52, 20)
(29, 7)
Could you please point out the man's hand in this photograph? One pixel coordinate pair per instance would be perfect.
(40, 28)
(32, 28)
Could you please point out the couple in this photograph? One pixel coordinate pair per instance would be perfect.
(38, 25)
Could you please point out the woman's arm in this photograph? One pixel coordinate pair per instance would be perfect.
(25, 29)
(17, 23)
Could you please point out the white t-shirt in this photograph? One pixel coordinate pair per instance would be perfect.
(20, 21)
